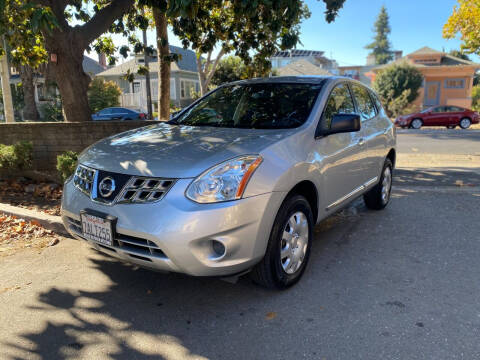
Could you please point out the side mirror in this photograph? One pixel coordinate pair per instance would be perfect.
(343, 123)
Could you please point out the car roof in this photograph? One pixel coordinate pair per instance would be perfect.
(304, 79)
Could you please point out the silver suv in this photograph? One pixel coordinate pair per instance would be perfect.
(236, 181)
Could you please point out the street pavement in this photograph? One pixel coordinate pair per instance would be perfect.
(402, 283)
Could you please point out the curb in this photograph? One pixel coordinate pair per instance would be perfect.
(50, 222)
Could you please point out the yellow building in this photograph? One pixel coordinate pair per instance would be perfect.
(448, 80)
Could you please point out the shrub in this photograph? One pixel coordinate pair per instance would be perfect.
(103, 94)
(52, 111)
(398, 87)
(17, 156)
(476, 98)
(66, 164)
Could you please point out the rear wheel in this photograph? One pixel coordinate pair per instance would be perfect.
(416, 124)
(288, 248)
(465, 123)
(379, 196)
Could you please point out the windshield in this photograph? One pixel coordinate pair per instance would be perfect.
(253, 106)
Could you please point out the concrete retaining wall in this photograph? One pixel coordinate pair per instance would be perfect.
(51, 139)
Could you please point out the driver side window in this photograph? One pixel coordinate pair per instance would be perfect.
(339, 102)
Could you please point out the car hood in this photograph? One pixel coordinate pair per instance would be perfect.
(174, 151)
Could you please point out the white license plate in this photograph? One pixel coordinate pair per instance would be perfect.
(97, 229)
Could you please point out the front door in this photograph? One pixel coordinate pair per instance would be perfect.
(432, 93)
(342, 154)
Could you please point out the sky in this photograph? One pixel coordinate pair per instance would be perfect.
(414, 23)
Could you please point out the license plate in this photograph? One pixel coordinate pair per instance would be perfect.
(96, 228)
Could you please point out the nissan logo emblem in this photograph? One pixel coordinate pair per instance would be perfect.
(106, 187)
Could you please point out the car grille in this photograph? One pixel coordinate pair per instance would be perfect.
(138, 248)
(128, 189)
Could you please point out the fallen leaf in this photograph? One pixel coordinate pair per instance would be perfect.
(270, 315)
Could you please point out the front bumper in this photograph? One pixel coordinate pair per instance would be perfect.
(176, 234)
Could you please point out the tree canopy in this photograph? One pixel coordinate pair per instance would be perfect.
(398, 86)
(464, 21)
(381, 45)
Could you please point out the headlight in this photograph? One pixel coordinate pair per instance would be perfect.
(224, 182)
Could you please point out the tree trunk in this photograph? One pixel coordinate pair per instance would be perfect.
(6, 90)
(30, 111)
(147, 77)
(163, 64)
(72, 81)
(206, 72)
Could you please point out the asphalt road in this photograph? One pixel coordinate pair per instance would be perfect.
(465, 142)
(402, 283)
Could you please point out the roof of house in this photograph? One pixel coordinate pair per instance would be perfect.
(446, 60)
(302, 67)
(187, 62)
(91, 67)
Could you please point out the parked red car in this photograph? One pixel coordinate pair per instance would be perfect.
(449, 116)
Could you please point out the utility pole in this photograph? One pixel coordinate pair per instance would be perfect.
(147, 75)
(6, 91)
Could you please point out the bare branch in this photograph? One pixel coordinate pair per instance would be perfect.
(102, 20)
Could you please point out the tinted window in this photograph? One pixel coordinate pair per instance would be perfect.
(439, 109)
(366, 107)
(254, 106)
(105, 112)
(454, 109)
(339, 102)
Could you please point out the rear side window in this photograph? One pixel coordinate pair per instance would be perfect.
(339, 102)
(366, 107)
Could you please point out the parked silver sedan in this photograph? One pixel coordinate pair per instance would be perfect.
(235, 182)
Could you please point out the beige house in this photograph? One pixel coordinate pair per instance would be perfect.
(448, 80)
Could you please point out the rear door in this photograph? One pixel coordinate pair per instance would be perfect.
(456, 114)
(343, 164)
(371, 132)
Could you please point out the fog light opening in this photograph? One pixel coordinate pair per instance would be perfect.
(219, 249)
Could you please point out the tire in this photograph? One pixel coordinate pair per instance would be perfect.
(378, 197)
(416, 124)
(275, 271)
(465, 123)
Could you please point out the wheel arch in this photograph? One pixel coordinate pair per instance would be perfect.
(392, 155)
(307, 189)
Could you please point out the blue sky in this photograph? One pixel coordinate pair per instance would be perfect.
(414, 23)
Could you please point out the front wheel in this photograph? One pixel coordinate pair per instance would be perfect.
(416, 124)
(465, 123)
(288, 248)
(378, 197)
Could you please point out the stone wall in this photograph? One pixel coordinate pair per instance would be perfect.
(51, 139)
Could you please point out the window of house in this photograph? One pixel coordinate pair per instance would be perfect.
(186, 88)
(136, 87)
(454, 83)
(366, 107)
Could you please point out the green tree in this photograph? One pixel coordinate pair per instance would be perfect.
(103, 94)
(464, 21)
(381, 46)
(398, 87)
(459, 54)
(252, 30)
(231, 68)
(476, 98)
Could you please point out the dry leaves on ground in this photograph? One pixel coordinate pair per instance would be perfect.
(16, 233)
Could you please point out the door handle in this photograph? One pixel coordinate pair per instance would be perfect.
(361, 142)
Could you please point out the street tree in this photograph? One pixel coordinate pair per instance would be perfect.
(380, 46)
(252, 30)
(464, 21)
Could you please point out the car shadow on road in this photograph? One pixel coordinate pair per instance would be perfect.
(149, 315)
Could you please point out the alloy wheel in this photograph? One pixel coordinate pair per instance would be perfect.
(465, 123)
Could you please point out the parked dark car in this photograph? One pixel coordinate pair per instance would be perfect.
(118, 113)
(449, 116)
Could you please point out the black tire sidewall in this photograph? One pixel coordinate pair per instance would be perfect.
(290, 207)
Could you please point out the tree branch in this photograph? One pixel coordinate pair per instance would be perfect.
(214, 67)
(102, 20)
